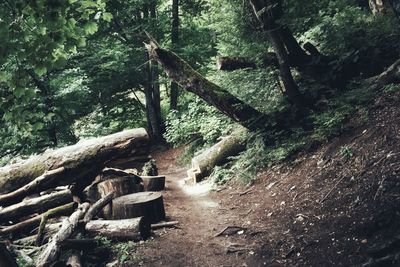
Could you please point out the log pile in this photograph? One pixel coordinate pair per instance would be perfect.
(46, 200)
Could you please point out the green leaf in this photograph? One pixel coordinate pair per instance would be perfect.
(107, 16)
(90, 28)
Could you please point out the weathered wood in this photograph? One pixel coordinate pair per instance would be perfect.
(35, 221)
(147, 204)
(126, 229)
(203, 164)
(156, 226)
(74, 260)
(34, 186)
(153, 183)
(234, 63)
(39, 204)
(50, 254)
(82, 161)
(50, 230)
(96, 207)
(120, 182)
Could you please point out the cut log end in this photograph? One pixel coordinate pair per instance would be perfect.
(148, 204)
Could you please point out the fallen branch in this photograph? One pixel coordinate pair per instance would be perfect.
(52, 250)
(38, 204)
(232, 230)
(35, 221)
(96, 207)
(330, 191)
(164, 224)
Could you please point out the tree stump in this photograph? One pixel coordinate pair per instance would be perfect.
(153, 183)
(120, 186)
(127, 229)
(147, 204)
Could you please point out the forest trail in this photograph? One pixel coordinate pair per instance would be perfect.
(200, 217)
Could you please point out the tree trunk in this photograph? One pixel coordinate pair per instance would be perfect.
(153, 183)
(174, 41)
(39, 204)
(126, 229)
(183, 74)
(147, 204)
(51, 252)
(82, 161)
(290, 86)
(265, 15)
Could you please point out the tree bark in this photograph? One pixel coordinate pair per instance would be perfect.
(153, 183)
(51, 252)
(147, 204)
(126, 229)
(264, 12)
(390, 75)
(183, 74)
(174, 41)
(82, 161)
(39, 204)
(234, 63)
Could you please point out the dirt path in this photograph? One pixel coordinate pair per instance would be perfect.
(200, 217)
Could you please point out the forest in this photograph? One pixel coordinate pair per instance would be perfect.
(199, 133)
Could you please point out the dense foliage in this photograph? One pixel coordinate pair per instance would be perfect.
(78, 68)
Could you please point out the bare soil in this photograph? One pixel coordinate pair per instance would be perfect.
(324, 207)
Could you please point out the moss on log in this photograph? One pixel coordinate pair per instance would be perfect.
(81, 161)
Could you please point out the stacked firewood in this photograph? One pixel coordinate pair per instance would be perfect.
(89, 189)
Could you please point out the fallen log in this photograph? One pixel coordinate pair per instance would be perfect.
(203, 164)
(35, 221)
(147, 204)
(50, 254)
(234, 63)
(35, 185)
(34, 205)
(96, 207)
(82, 161)
(153, 183)
(126, 229)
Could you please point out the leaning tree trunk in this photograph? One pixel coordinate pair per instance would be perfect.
(81, 162)
(183, 74)
(266, 13)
